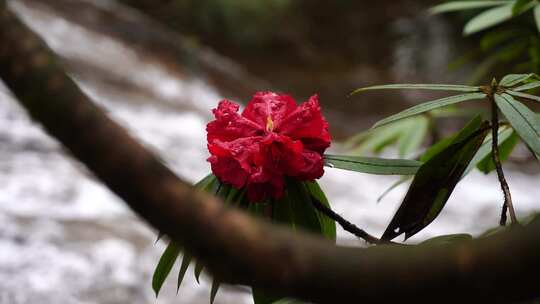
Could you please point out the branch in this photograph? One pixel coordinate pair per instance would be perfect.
(238, 248)
(497, 160)
(346, 225)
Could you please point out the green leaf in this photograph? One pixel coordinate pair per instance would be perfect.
(412, 136)
(304, 213)
(327, 224)
(528, 86)
(392, 187)
(463, 5)
(198, 270)
(495, 38)
(488, 19)
(262, 297)
(448, 239)
(408, 133)
(372, 165)
(214, 290)
(521, 6)
(186, 260)
(524, 121)
(205, 181)
(409, 86)
(486, 165)
(485, 149)
(434, 182)
(513, 79)
(430, 105)
(444, 143)
(164, 266)
(537, 16)
(523, 95)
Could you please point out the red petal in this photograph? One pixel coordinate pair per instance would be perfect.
(228, 170)
(264, 184)
(230, 125)
(242, 150)
(307, 124)
(268, 104)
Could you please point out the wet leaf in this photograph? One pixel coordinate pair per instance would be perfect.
(164, 266)
(434, 182)
(372, 165)
(524, 121)
(430, 105)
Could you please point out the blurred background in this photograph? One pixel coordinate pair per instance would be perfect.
(159, 67)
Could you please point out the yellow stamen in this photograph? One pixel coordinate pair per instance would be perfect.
(269, 124)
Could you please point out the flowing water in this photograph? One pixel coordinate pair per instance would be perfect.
(64, 238)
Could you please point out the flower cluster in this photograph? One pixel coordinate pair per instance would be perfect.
(271, 139)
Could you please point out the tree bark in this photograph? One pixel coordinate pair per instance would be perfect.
(243, 250)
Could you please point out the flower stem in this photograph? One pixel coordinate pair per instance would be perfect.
(507, 206)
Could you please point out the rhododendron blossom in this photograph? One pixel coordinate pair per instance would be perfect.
(271, 139)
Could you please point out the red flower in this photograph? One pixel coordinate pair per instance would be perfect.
(271, 139)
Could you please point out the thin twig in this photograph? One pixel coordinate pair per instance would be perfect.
(507, 206)
(346, 225)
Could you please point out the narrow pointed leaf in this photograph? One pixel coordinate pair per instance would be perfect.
(328, 225)
(524, 95)
(488, 19)
(372, 165)
(448, 239)
(537, 16)
(214, 290)
(160, 235)
(164, 266)
(528, 86)
(485, 149)
(198, 270)
(410, 86)
(434, 183)
(392, 187)
(430, 105)
(463, 5)
(263, 297)
(412, 136)
(486, 165)
(186, 260)
(524, 121)
(521, 6)
(514, 79)
(304, 213)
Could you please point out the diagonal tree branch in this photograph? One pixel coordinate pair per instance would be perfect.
(238, 248)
